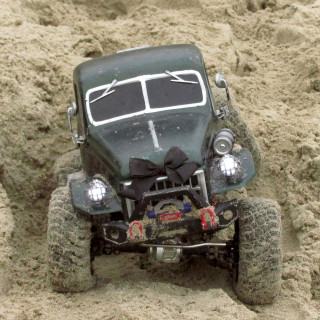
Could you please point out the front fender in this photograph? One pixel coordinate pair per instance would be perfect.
(217, 181)
(78, 184)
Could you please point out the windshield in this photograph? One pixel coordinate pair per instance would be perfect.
(125, 99)
(166, 92)
(145, 94)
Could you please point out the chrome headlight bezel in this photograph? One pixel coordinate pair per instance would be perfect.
(97, 190)
(230, 167)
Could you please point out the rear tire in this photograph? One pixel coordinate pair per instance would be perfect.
(258, 272)
(69, 245)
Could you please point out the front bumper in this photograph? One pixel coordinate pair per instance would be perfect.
(203, 220)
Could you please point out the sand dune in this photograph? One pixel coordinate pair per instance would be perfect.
(269, 52)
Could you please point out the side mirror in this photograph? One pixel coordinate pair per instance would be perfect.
(221, 82)
(72, 110)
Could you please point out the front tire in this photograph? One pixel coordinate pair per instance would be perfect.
(258, 271)
(68, 163)
(69, 244)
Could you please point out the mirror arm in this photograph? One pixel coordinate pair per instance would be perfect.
(227, 92)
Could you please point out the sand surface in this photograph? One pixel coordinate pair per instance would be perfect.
(269, 51)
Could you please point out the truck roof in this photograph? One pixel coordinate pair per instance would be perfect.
(129, 64)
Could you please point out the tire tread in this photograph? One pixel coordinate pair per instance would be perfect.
(69, 241)
(260, 253)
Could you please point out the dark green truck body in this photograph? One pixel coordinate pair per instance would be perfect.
(108, 146)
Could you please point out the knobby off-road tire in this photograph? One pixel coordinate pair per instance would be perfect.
(69, 242)
(258, 278)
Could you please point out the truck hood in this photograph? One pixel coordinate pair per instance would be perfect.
(149, 137)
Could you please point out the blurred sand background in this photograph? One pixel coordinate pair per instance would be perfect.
(269, 52)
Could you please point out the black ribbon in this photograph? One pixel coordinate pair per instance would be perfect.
(145, 172)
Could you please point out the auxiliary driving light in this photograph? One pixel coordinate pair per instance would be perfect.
(223, 142)
(97, 190)
(230, 167)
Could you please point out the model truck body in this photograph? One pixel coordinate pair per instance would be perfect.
(155, 155)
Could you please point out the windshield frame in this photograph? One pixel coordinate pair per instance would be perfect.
(143, 79)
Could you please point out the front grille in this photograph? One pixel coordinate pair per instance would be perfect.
(197, 181)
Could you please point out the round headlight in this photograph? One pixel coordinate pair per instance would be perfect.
(229, 165)
(223, 142)
(97, 190)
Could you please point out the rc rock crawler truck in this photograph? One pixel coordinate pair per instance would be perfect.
(155, 154)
